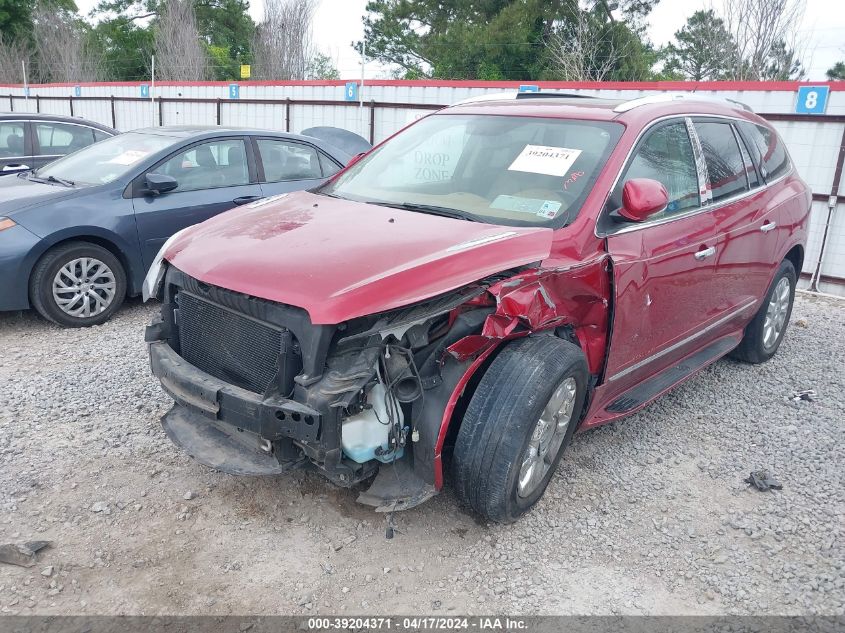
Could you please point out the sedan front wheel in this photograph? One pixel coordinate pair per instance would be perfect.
(78, 284)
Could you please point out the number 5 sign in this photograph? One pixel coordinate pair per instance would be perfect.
(812, 99)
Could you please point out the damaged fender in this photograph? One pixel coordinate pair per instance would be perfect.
(575, 298)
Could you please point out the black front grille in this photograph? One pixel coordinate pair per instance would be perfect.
(230, 346)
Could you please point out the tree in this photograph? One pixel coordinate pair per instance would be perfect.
(180, 55)
(322, 66)
(491, 39)
(759, 28)
(15, 19)
(12, 52)
(223, 27)
(837, 72)
(704, 50)
(593, 46)
(227, 30)
(125, 48)
(62, 47)
(782, 64)
(282, 48)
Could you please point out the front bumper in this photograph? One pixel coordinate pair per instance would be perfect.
(259, 423)
(17, 248)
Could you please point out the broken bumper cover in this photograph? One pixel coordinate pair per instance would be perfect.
(215, 421)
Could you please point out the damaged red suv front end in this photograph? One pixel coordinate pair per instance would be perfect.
(451, 289)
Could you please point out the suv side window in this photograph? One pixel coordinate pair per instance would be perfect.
(665, 155)
(725, 167)
(769, 150)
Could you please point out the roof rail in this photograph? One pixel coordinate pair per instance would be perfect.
(665, 97)
(502, 96)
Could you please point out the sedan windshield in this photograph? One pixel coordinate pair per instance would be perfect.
(105, 161)
(498, 169)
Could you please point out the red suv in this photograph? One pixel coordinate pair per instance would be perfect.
(482, 285)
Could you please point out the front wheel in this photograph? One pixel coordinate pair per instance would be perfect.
(77, 284)
(764, 334)
(517, 425)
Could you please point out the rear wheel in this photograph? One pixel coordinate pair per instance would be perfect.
(517, 425)
(77, 284)
(764, 334)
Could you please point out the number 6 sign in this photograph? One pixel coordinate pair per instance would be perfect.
(812, 99)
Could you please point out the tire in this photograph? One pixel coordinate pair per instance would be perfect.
(503, 419)
(759, 343)
(104, 295)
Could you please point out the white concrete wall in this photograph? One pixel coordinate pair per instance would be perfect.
(814, 145)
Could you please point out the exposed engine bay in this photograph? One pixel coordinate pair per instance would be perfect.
(259, 389)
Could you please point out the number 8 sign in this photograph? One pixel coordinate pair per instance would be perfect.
(812, 99)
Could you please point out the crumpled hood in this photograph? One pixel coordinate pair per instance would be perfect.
(17, 194)
(339, 259)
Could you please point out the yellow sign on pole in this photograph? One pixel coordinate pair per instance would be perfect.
(245, 71)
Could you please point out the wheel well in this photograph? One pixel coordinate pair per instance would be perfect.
(99, 241)
(796, 256)
(472, 384)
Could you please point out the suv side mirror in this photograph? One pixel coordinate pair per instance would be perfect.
(355, 159)
(159, 183)
(642, 198)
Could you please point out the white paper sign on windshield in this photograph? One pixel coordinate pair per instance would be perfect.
(542, 159)
(129, 157)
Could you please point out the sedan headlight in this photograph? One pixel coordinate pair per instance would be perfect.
(6, 223)
(155, 275)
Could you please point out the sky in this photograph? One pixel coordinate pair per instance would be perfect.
(338, 23)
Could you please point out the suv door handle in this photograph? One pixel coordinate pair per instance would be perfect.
(769, 226)
(704, 254)
(245, 199)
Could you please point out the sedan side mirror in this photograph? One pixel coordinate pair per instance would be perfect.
(160, 183)
(642, 198)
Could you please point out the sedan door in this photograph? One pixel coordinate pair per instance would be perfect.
(15, 146)
(285, 165)
(213, 176)
(663, 267)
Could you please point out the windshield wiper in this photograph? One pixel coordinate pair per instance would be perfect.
(445, 212)
(31, 175)
(61, 181)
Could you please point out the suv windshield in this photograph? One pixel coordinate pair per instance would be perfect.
(498, 169)
(105, 161)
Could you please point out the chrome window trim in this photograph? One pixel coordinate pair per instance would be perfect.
(720, 321)
(17, 157)
(85, 125)
(680, 216)
(705, 194)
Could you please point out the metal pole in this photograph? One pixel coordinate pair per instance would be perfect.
(361, 91)
(153, 91)
(25, 82)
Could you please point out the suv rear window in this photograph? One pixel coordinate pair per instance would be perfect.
(768, 149)
(725, 167)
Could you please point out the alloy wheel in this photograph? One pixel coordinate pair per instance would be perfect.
(547, 437)
(84, 287)
(776, 313)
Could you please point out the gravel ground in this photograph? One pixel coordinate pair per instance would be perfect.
(649, 515)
